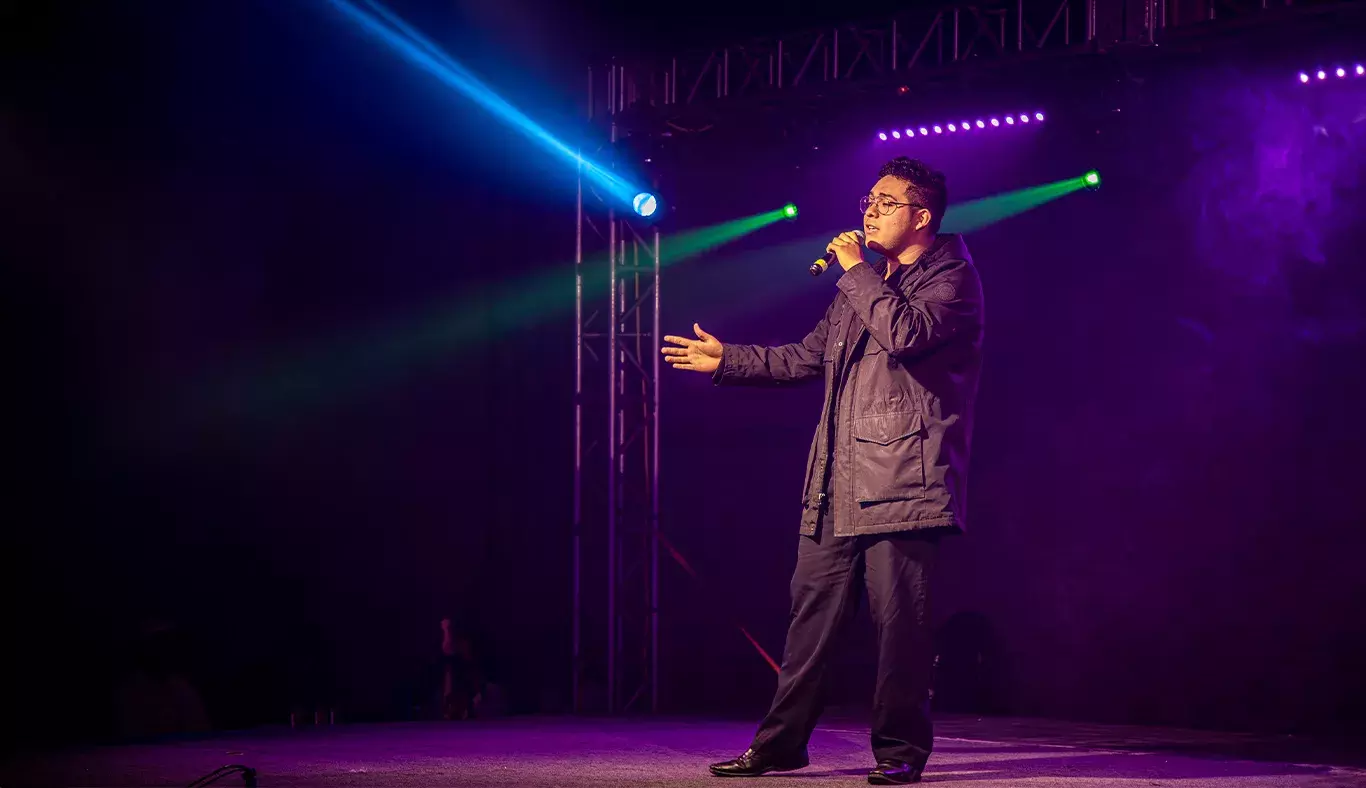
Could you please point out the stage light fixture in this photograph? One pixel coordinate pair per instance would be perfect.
(645, 204)
(790, 211)
(911, 132)
(1091, 179)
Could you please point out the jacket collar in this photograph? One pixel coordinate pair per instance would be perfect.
(946, 246)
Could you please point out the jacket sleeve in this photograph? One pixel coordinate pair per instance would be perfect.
(945, 307)
(756, 365)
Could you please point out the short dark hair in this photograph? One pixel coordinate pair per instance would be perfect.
(925, 185)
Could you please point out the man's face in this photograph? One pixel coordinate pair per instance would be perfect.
(892, 220)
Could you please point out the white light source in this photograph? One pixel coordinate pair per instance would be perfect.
(645, 204)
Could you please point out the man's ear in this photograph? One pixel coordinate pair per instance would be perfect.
(922, 219)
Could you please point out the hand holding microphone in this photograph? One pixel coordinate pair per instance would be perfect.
(846, 247)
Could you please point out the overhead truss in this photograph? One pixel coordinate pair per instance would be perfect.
(916, 43)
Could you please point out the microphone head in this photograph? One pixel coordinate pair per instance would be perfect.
(860, 234)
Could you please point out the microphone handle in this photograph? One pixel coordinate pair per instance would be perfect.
(818, 267)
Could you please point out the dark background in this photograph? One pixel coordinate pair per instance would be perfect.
(215, 210)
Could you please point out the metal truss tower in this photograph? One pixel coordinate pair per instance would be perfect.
(616, 443)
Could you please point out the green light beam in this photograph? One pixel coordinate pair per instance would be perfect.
(690, 243)
(976, 214)
(347, 366)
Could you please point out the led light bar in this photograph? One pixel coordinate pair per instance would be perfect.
(1335, 72)
(960, 126)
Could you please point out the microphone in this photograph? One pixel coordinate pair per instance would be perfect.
(818, 267)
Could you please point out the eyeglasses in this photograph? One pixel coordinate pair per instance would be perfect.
(885, 205)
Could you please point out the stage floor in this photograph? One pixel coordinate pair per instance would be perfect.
(567, 752)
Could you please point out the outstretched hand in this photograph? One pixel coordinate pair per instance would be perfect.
(699, 355)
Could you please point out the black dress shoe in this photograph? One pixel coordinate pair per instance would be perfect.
(891, 772)
(753, 764)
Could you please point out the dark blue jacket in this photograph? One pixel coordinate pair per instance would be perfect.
(901, 361)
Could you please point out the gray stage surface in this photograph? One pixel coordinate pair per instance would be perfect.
(982, 753)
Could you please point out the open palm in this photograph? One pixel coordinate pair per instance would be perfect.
(699, 355)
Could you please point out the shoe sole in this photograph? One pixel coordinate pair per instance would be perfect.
(760, 774)
(877, 779)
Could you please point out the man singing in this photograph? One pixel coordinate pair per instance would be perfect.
(900, 352)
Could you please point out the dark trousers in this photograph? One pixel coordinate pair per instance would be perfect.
(831, 575)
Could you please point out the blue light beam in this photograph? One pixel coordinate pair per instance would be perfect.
(408, 42)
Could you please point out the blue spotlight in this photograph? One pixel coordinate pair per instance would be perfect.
(406, 41)
(645, 204)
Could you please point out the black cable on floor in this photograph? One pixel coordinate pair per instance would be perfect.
(248, 775)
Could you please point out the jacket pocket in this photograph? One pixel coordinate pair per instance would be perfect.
(889, 457)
